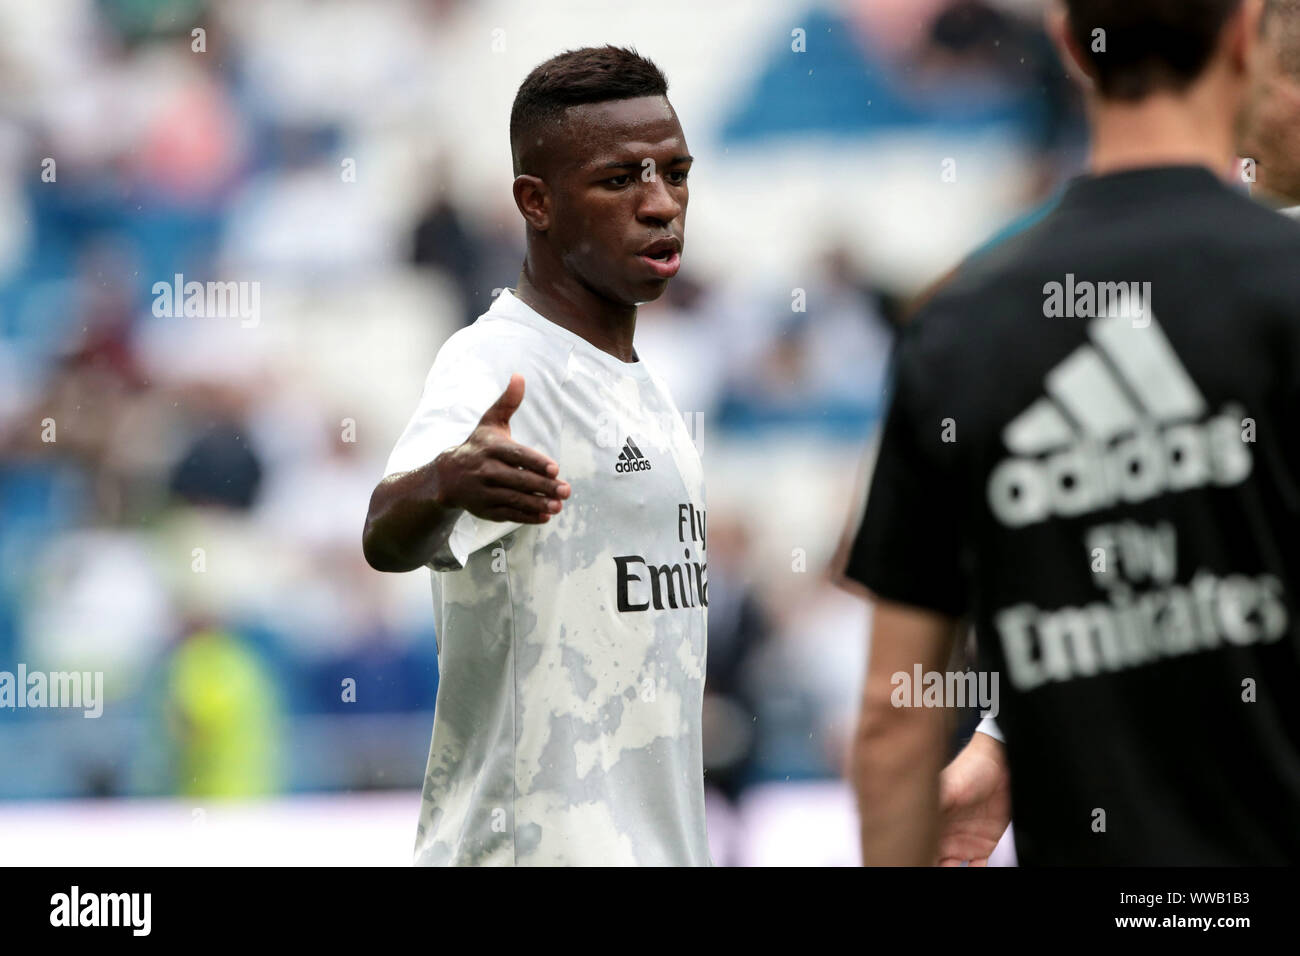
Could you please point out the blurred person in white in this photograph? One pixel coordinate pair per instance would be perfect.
(679, 336)
(975, 789)
(309, 511)
(571, 637)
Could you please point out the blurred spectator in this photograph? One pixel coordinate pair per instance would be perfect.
(737, 629)
(679, 337)
(808, 680)
(224, 712)
(821, 356)
(476, 262)
(219, 469)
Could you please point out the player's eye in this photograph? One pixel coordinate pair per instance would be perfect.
(619, 180)
(678, 177)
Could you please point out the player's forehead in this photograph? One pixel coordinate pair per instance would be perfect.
(615, 131)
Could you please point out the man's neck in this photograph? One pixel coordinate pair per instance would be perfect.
(1161, 130)
(571, 305)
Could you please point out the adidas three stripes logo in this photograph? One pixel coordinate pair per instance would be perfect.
(631, 459)
(1121, 421)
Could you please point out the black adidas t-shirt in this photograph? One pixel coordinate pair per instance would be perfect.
(1106, 479)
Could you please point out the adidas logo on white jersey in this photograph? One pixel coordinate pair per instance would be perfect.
(1122, 422)
(631, 458)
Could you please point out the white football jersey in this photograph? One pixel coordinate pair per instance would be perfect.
(571, 654)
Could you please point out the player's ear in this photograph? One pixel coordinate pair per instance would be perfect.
(533, 197)
(1061, 31)
(1243, 35)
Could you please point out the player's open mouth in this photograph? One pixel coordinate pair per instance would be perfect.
(663, 257)
(664, 266)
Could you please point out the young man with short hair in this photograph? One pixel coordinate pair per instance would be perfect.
(565, 526)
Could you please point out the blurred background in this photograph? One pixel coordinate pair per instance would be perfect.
(182, 496)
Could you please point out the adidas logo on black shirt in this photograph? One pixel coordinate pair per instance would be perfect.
(1122, 422)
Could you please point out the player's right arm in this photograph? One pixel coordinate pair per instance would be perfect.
(489, 475)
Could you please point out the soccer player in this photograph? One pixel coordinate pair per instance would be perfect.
(974, 792)
(1118, 509)
(564, 525)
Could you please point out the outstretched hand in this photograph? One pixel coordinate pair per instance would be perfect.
(492, 476)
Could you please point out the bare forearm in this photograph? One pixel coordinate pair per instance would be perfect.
(407, 521)
(896, 776)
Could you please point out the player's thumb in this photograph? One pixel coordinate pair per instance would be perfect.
(505, 406)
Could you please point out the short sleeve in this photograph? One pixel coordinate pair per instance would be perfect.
(470, 372)
(908, 548)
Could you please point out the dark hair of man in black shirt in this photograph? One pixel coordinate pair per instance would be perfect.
(1135, 48)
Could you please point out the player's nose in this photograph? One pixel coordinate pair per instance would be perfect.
(658, 203)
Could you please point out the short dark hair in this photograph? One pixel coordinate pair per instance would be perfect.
(577, 77)
(1151, 45)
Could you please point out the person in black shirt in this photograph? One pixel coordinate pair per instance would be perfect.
(1089, 455)
(974, 789)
